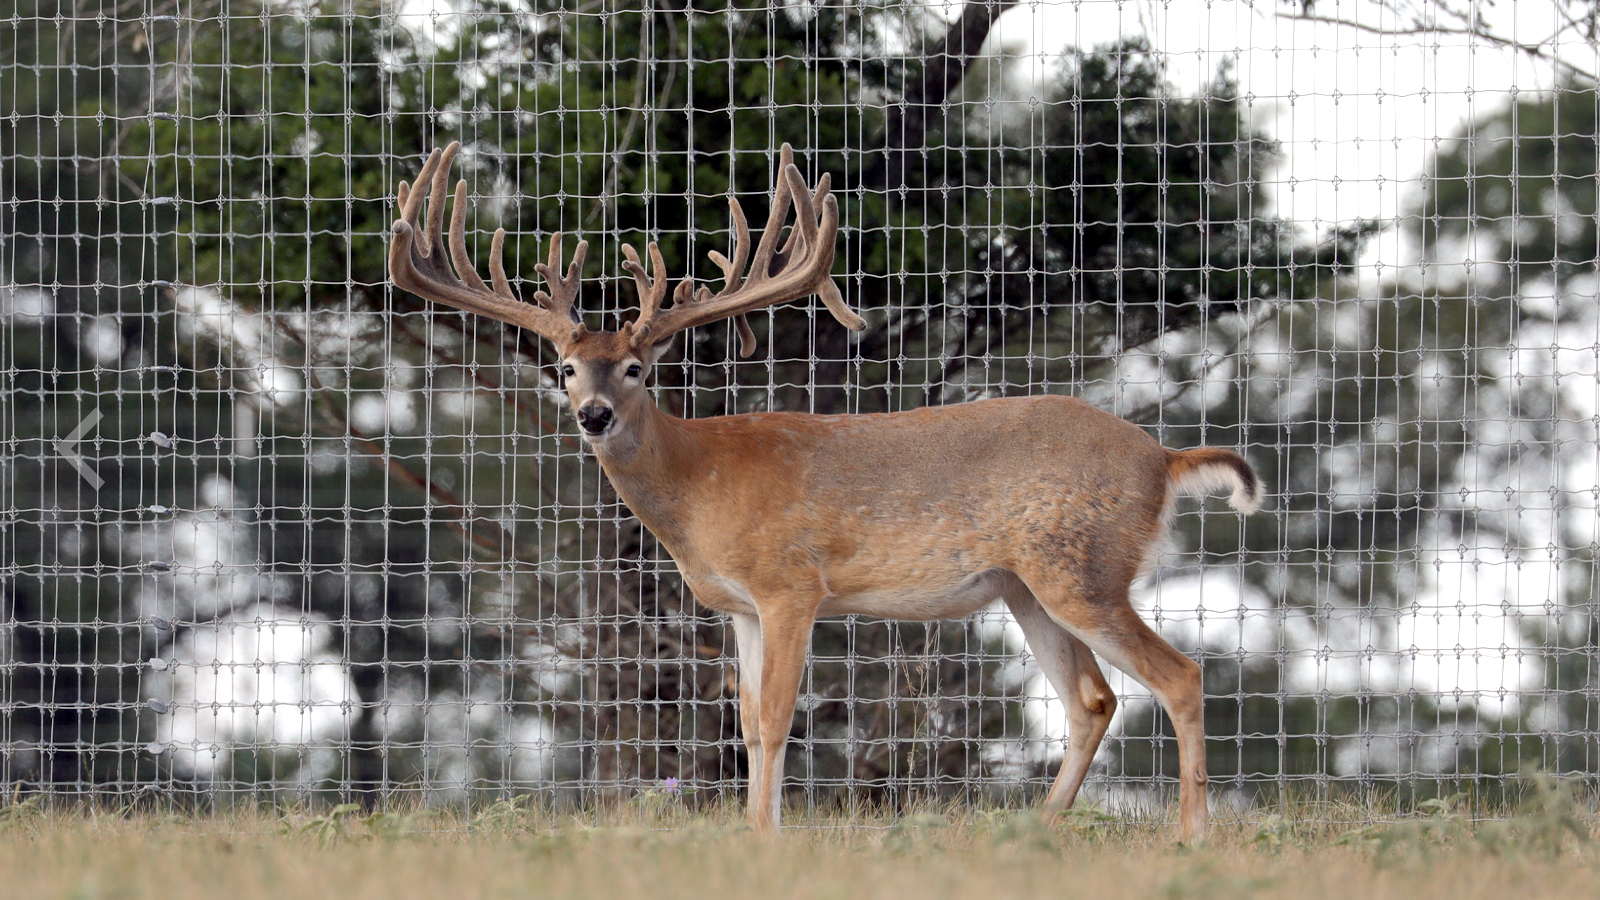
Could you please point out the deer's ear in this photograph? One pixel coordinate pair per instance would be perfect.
(654, 352)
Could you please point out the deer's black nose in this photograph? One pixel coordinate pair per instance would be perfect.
(594, 418)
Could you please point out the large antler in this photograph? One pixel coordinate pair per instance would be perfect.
(417, 261)
(802, 267)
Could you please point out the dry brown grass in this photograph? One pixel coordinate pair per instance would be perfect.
(654, 849)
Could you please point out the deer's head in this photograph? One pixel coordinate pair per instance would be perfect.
(605, 371)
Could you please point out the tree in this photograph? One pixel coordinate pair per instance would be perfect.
(262, 192)
(76, 294)
(273, 145)
(1426, 424)
(1508, 233)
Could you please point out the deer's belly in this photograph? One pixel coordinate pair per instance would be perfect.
(944, 596)
(951, 599)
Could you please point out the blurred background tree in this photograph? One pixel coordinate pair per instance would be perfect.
(1507, 227)
(219, 203)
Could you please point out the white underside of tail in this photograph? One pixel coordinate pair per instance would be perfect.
(1215, 478)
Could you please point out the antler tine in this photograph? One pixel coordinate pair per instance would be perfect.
(833, 299)
(781, 197)
(423, 262)
(808, 230)
(437, 190)
(458, 249)
(562, 297)
(411, 202)
(733, 270)
(804, 232)
(497, 268)
(774, 275)
(652, 290)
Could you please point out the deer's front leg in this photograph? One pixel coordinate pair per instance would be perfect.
(784, 635)
(748, 643)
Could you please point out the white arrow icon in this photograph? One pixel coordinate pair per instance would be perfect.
(64, 447)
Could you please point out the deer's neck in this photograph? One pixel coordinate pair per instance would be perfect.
(656, 471)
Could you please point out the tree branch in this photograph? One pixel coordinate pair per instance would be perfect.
(1537, 51)
(462, 520)
(943, 70)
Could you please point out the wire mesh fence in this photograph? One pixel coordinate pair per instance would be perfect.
(273, 530)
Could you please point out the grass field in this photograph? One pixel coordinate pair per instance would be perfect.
(653, 848)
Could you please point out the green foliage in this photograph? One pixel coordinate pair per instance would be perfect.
(1517, 191)
(274, 149)
(330, 828)
(510, 814)
(395, 826)
(24, 814)
(1437, 827)
(914, 834)
(1027, 831)
(1382, 424)
(75, 234)
(1272, 834)
(1139, 211)
(281, 147)
(1547, 822)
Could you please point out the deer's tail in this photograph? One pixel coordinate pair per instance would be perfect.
(1205, 470)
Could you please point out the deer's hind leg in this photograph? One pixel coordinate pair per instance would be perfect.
(1070, 667)
(1104, 619)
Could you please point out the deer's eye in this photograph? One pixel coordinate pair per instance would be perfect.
(633, 371)
(568, 371)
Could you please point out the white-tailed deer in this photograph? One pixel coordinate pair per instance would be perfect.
(778, 518)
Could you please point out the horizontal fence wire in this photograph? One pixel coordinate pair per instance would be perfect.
(272, 530)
